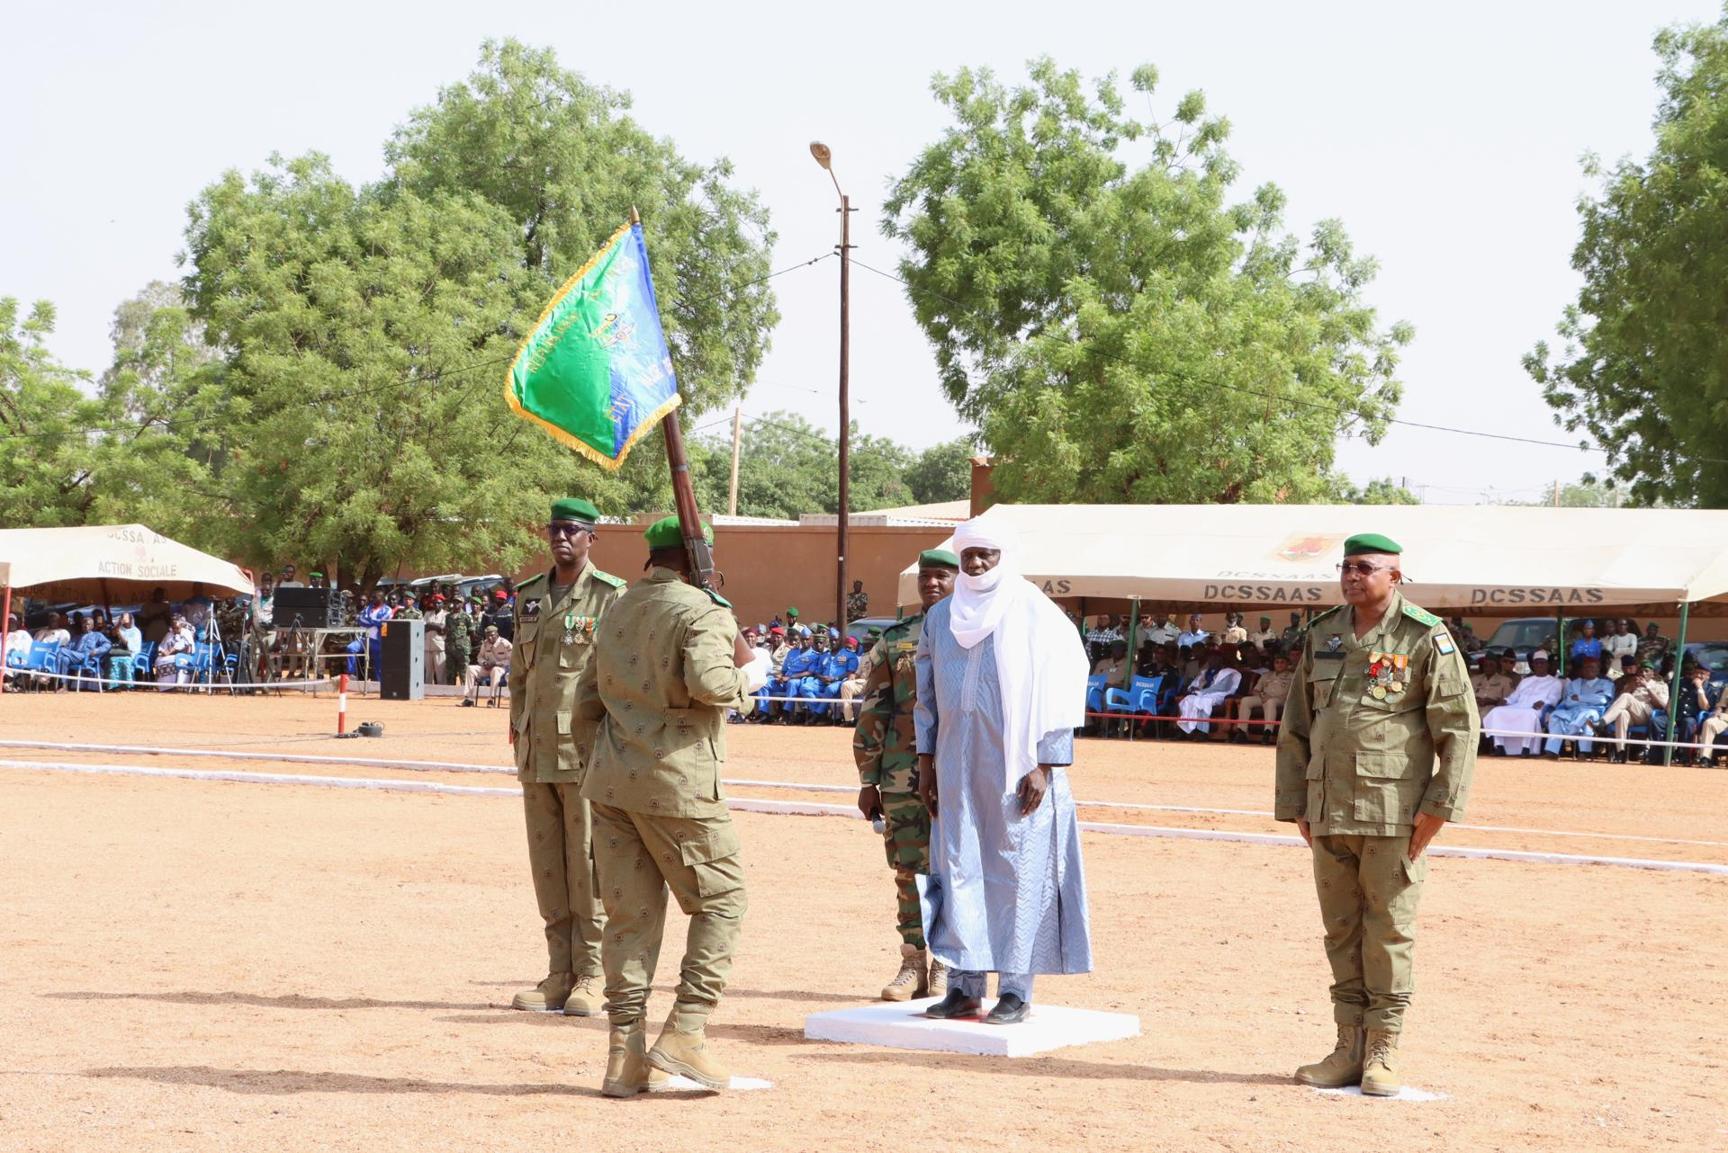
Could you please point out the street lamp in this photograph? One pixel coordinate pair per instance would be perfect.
(825, 157)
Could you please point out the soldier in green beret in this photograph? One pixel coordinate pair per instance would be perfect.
(557, 614)
(651, 725)
(885, 746)
(1376, 755)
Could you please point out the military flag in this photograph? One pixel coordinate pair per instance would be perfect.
(595, 371)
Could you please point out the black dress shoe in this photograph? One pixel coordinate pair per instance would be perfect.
(1009, 1010)
(955, 1004)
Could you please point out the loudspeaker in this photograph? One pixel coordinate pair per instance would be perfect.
(402, 663)
(316, 608)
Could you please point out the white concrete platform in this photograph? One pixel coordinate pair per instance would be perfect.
(904, 1026)
(1407, 1093)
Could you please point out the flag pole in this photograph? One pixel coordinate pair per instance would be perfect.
(696, 549)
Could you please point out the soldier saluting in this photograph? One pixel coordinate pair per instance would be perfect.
(651, 725)
(1376, 755)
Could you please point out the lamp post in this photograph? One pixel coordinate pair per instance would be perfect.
(825, 158)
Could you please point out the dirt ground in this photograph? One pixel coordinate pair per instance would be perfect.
(191, 965)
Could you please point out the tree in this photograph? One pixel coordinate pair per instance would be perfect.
(1381, 490)
(45, 451)
(566, 163)
(1644, 364)
(1123, 332)
(942, 472)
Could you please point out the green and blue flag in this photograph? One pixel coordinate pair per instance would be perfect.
(595, 371)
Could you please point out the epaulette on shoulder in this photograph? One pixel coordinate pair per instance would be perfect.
(608, 578)
(903, 624)
(715, 597)
(538, 578)
(1422, 616)
(1318, 617)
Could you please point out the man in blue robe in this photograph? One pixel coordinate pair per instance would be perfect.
(1001, 688)
(1584, 700)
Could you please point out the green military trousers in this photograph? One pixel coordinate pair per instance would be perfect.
(560, 855)
(906, 835)
(1369, 890)
(638, 857)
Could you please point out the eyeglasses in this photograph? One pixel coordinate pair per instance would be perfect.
(566, 529)
(1362, 568)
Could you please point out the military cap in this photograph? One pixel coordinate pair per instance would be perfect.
(668, 533)
(793, 611)
(1371, 542)
(938, 558)
(1647, 663)
(576, 509)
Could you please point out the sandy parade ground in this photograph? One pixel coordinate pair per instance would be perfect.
(192, 964)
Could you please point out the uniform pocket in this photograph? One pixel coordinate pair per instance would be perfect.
(1386, 793)
(714, 859)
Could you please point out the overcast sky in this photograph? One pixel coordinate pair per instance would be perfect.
(1447, 139)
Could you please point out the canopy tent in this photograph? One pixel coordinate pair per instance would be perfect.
(1479, 560)
(105, 563)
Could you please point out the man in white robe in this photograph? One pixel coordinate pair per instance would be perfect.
(1001, 689)
(1213, 687)
(1525, 710)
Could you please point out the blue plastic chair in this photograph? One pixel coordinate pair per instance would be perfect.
(1095, 693)
(86, 664)
(44, 657)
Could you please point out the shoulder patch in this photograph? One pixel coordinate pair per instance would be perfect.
(1422, 616)
(608, 578)
(717, 598)
(1443, 643)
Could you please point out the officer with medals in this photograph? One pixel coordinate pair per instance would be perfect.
(554, 642)
(1376, 755)
(651, 709)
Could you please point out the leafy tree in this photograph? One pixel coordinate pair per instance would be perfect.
(1119, 329)
(942, 472)
(566, 163)
(45, 452)
(1381, 490)
(1644, 364)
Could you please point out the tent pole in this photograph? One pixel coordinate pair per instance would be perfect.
(1674, 689)
(1560, 640)
(1133, 640)
(5, 635)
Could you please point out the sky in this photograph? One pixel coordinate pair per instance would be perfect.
(1448, 140)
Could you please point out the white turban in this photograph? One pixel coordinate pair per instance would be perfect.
(1040, 664)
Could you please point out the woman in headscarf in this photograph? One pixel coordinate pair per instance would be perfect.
(1001, 689)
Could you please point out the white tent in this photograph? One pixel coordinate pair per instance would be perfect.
(1481, 561)
(116, 562)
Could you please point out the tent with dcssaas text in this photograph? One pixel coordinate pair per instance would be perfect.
(111, 563)
(1478, 560)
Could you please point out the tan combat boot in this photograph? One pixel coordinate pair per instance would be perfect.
(1380, 1069)
(686, 1054)
(627, 1070)
(938, 985)
(546, 997)
(1343, 1066)
(910, 981)
(581, 1001)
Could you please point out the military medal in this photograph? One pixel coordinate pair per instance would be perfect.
(1388, 674)
(570, 628)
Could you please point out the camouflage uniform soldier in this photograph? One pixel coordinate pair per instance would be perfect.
(458, 641)
(886, 749)
(1378, 748)
(651, 725)
(554, 643)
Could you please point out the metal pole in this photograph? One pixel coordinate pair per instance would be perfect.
(1674, 689)
(737, 436)
(5, 634)
(845, 407)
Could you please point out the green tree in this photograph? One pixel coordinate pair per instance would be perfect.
(564, 160)
(1119, 329)
(1644, 364)
(942, 472)
(1381, 490)
(46, 457)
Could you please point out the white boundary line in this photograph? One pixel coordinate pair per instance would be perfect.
(812, 808)
(790, 786)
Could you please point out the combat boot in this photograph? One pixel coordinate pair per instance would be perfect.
(580, 1002)
(1380, 1068)
(627, 1069)
(910, 981)
(546, 997)
(938, 985)
(1343, 1066)
(686, 1054)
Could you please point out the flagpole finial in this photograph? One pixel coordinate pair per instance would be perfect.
(634, 217)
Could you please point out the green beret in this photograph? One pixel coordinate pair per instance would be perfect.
(793, 611)
(668, 533)
(1371, 542)
(576, 509)
(938, 558)
(1649, 664)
